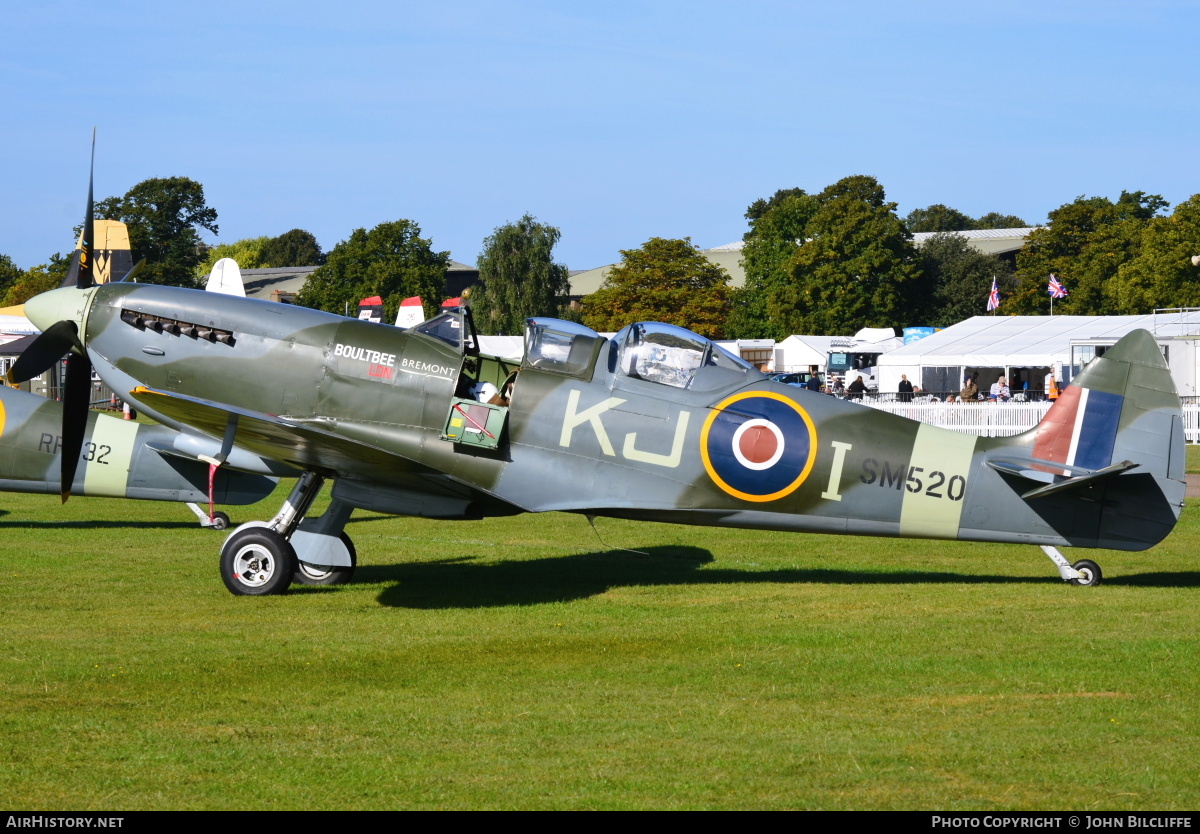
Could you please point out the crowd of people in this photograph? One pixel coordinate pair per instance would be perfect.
(999, 392)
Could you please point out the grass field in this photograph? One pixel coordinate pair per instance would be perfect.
(521, 663)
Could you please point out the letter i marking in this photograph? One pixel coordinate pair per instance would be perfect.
(832, 492)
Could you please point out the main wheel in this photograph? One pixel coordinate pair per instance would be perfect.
(307, 574)
(257, 561)
(1090, 573)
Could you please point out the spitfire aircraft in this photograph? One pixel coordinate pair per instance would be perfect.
(656, 423)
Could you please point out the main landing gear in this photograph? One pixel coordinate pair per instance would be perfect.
(266, 557)
(1083, 572)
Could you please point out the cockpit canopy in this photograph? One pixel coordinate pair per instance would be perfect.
(670, 355)
(448, 327)
(561, 347)
(648, 351)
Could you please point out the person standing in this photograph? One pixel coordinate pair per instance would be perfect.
(906, 389)
(1051, 386)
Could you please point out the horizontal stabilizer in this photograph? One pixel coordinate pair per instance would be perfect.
(1057, 478)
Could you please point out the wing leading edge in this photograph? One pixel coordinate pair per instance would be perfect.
(297, 444)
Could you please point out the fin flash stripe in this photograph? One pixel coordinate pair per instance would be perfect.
(1080, 429)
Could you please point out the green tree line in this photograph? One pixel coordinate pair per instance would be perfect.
(827, 262)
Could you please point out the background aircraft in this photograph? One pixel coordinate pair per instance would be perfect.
(656, 423)
(119, 458)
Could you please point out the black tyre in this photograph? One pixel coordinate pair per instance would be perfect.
(257, 562)
(220, 521)
(1090, 570)
(307, 574)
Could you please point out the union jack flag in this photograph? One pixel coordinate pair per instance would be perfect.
(993, 297)
(1056, 288)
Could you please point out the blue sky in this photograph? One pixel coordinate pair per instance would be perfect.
(613, 121)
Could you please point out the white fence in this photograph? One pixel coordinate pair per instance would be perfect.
(984, 419)
(1001, 420)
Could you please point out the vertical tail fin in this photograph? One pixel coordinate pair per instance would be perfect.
(1108, 459)
(1123, 407)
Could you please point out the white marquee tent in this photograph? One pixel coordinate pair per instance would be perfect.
(1025, 348)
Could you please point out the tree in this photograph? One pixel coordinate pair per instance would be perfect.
(292, 248)
(960, 278)
(164, 217)
(760, 207)
(827, 263)
(772, 242)
(996, 220)
(663, 280)
(938, 218)
(392, 261)
(858, 187)
(520, 278)
(1086, 243)
(1162, 274)
(10, 273)
(248, 252)
(856, 267)
(39, 279)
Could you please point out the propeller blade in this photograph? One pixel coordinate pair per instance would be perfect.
(77, 395)
(86, 277)
(72, 276)
(49, 346)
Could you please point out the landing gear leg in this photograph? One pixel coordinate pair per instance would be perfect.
(309, 551)
(258, 558)
(1083, 572)
(296, 506)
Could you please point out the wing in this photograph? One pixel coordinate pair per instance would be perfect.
(302, 445)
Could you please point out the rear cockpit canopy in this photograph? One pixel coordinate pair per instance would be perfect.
(670, 355)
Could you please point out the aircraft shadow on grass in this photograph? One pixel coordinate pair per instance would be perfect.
(465, 582)
(96, 524)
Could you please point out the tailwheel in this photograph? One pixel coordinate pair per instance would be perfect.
(257, 561)
(1089, 573)
(309, 574)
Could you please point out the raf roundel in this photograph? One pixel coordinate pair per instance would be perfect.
(758, 445)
